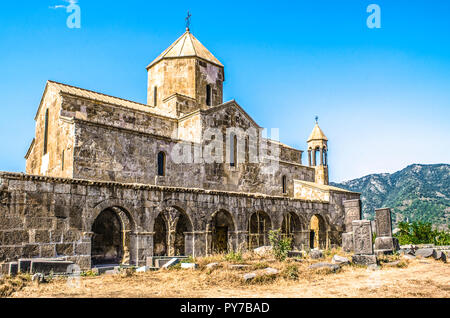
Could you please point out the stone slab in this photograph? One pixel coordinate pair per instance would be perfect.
(172, 262)
(332, 267)
(340, 260)
(362, 237)
(47, 267)
(387, 243)
(347, 242)
(364, 259)
(426, 252)
(352, 209)
(383, 222)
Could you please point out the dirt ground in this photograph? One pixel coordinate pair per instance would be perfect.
(420, 278)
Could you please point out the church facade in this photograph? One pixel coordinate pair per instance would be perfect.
(114, 181)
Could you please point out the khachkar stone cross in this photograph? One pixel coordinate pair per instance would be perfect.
(362, 237)
(188, 21)
(384, 243)
(352, 212)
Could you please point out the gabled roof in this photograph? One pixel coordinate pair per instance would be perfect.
(107, 99)
(187, 46)
(317, 134)
(229, 104)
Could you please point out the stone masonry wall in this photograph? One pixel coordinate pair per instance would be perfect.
(50, 217)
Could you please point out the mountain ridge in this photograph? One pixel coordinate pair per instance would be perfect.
(419, 192)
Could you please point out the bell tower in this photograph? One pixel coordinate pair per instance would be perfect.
(318, 154)
(185, 77)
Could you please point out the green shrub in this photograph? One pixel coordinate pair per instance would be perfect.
(281, 244)
(233, 257)
(421, 233)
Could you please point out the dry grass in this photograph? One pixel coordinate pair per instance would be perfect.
(9, 285)
(411, 279)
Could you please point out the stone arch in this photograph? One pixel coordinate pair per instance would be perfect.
(293, 226)
(318, 228)
(182, 239)
(160, 235)
(221, 229)
(110, 241)
(259, 225)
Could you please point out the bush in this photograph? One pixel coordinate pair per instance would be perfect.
(281, 245)
(421, 233)
(233, 257)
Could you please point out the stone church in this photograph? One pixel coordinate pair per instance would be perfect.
(112, 181)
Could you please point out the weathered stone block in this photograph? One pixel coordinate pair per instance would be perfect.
(48, 250)
(47, 267)
(64, 249)
(386, 244)
(362, 237)
(364, 259)
(352, 211)
(347, 242)
(383, 222)
(31, 250)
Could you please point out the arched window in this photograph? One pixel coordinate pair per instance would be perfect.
(233, 150)
(284, 183)
(161, 164)
(208, 95)
(155, 96)
(46, 133)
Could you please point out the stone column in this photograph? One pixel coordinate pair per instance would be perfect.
(189, 243)
(321, 156)
(241, 241)
(141, 251)
(326, 157)
(309, 157)
(314, 157)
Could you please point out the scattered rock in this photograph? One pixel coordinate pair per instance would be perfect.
(189, 265)
(143, 269)
(238, 266)
(295, 254)
(171, 263)
(373, 267)
(38, 278)
(316, 254)
(248, 277)
(263, 250)
(440, 256)
(408, 257)
(391, 264)
(212, 265)
(332, 267)
(271, 271)
(426, 252)
(340, 260)
(364, 259)
(112, 272)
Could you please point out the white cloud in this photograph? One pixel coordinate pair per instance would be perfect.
(60, 6)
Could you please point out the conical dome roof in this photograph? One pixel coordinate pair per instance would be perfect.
(187, 46)
(317, 134)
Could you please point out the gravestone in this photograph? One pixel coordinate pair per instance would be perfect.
(362, 237)
(384, 243)
(352, 212)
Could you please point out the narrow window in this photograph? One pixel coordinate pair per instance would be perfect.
(46, 132)
(161, 164)
(155, 96)
(62, 161)
(233, 150)
(283, 181)
(208, 95)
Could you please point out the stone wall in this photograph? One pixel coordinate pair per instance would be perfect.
(49, 217)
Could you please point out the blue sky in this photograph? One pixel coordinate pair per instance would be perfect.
(382, 95)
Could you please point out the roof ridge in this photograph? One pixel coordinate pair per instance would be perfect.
(95, 92)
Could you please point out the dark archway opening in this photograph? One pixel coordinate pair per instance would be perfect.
(290, 227)
(107, 240)
(160, 237)
(258, 230)
(222, 225)
(318, 232)
(183, 226)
